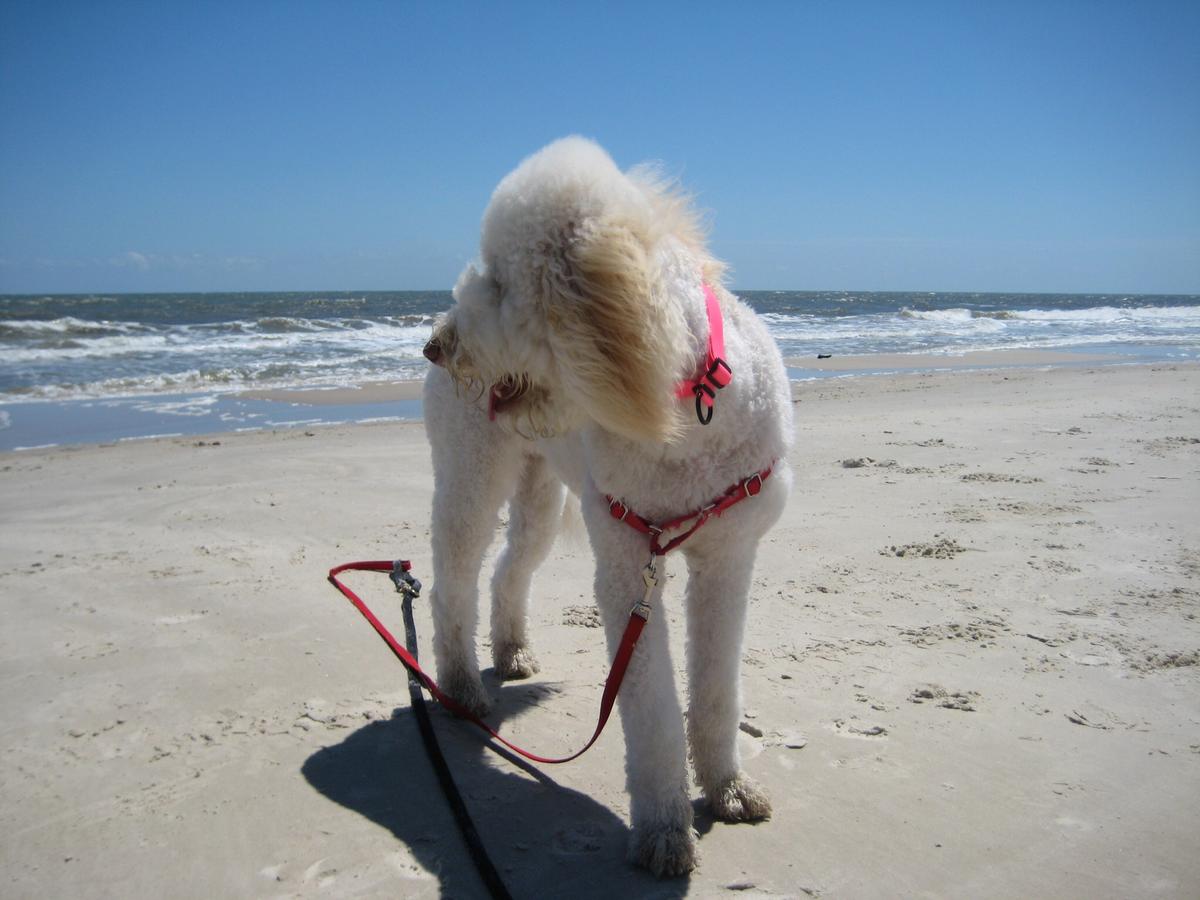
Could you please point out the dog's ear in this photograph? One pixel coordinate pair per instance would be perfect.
(609, 335)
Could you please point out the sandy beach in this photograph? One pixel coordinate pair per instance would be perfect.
(972, 666)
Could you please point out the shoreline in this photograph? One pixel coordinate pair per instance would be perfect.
(35, 425)
(971, 665)
(370, 392)
(885, 363)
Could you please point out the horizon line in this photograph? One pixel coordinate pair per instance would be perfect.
(734, 290)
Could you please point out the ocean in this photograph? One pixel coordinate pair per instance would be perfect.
(98, 368)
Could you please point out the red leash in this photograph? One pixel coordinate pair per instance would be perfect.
(400, 569)
(633, 630)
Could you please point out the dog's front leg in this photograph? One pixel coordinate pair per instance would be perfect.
(720, 564)
(662, 839)
(475, 466)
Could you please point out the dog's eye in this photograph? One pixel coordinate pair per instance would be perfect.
(497, 290)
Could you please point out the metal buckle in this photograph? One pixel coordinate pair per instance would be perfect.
(756, 477)
(403, 580)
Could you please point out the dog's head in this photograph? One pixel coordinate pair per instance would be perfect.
(567, 317)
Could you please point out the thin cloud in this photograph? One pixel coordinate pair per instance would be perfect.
(133, 260)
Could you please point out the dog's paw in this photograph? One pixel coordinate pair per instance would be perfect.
(740, 799)
(514, 661)
(468, 691)
(664, 849)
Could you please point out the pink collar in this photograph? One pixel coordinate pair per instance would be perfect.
(715, 373)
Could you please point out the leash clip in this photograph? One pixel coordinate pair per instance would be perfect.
(641, 609)
(403, 579)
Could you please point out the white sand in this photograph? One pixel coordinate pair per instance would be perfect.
(189, 710)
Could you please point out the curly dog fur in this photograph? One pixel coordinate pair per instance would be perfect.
(584, 312)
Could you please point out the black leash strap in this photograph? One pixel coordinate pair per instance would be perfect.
(483, 863)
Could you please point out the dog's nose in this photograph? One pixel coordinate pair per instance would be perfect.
(433, 351)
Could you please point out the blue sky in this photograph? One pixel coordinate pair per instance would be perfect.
(862, 146)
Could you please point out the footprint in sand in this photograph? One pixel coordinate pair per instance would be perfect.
(982, 631)
(999, 478)
(583, 837)
(582, 616)
(858, 729)
(942, 548)
(964, 701)
(319, 873)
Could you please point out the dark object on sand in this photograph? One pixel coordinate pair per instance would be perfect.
(824, 355)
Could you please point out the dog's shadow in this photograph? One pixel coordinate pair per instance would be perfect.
(544, 839)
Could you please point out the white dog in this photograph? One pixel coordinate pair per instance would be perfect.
(562, 360)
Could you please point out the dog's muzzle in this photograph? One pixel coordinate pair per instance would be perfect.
(433, 351)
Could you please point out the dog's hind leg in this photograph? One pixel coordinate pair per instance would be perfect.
(534, 513)
(719, 574)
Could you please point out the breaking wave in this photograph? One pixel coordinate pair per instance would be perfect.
(64, 347)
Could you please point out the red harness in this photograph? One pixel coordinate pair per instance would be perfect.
(748, 487)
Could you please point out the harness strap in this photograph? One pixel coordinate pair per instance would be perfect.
(747, 487)
(633, 630)
(716, 373)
